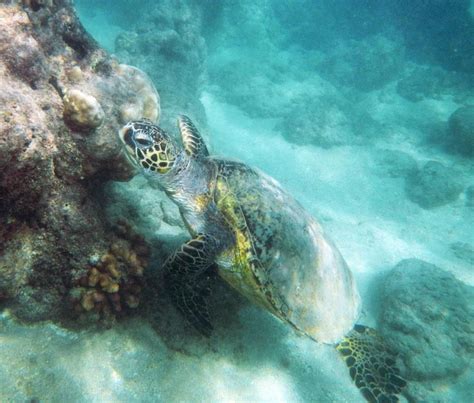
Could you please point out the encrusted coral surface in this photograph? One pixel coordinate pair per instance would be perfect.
(114, 281)
(63, 99)
(82, 110)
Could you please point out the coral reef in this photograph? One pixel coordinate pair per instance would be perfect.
(433, 185)
(63, 99)
(114, 281)
(82, 110)
(426, 315)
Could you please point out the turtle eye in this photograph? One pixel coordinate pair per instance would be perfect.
(144, 142)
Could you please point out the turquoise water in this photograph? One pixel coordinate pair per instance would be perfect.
(344, 103)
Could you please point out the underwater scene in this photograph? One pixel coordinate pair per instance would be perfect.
(236, 201)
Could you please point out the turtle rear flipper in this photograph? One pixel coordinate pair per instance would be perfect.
(187, 280)
(371, 364)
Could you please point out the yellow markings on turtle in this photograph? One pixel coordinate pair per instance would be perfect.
(156, 159)
(202, 201)
(241, 275)
(242, 252)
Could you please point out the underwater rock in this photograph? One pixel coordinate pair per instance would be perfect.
(433, 185)
(426, 315)
(365, 65)
(61, 98)
(136, 199)
(330, 127)
(461, 130)
(124, 93)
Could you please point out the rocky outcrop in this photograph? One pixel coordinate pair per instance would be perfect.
(426, 316)
(63, 99)
(433, 185)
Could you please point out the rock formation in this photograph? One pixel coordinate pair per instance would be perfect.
(426, 316)
(433, 185)
(62, 101)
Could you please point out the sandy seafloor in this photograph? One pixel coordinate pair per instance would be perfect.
(372, 222)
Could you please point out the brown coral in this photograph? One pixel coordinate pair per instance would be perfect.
(114, 282)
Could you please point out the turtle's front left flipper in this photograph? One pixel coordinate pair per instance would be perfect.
(187, 280)
(372, 366)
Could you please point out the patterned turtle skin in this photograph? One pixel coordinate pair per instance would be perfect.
(263, 243)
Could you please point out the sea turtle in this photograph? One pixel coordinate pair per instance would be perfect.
(264, 244)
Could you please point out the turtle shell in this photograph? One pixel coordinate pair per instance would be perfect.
(281, 258)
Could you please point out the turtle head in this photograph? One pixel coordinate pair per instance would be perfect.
(149, 147)
(178, 169)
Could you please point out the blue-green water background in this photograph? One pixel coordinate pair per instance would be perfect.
(342, 102)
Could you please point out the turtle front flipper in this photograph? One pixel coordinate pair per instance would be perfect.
(187, 280)
(192, 139)
(371, 364)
